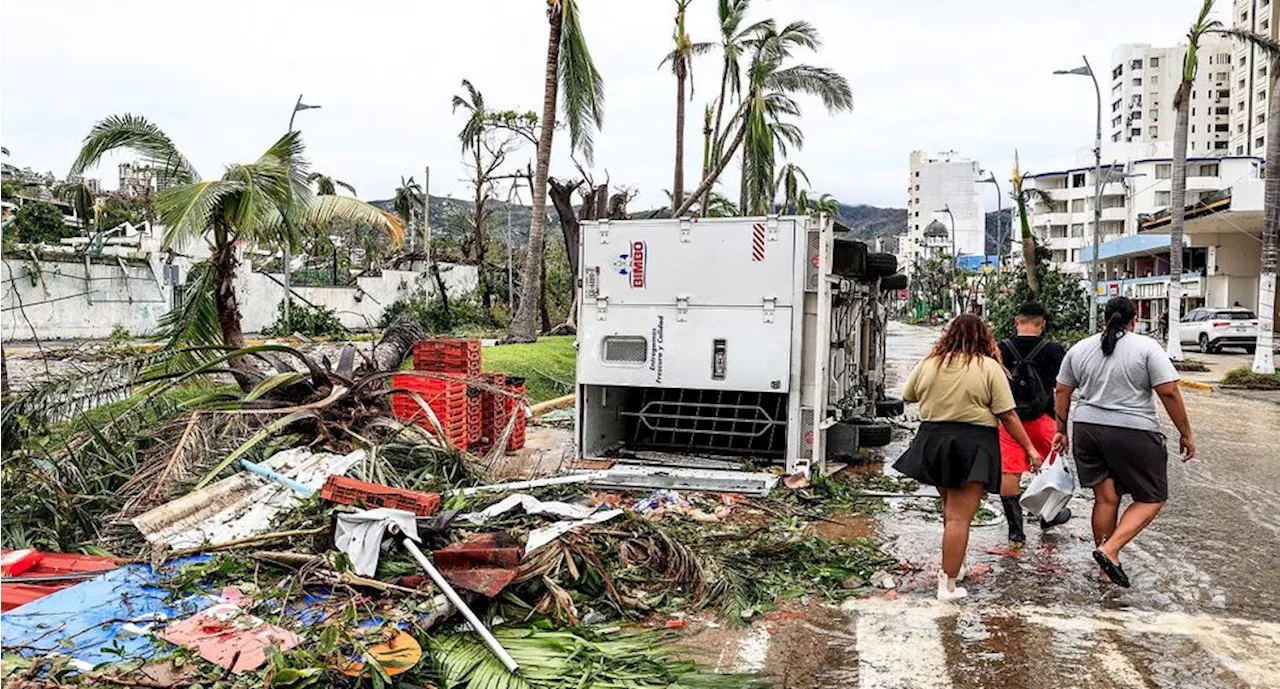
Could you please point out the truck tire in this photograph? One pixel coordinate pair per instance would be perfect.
(893, 283)
(889, 407)
(872, 434)
(881, 265)
(849, 258)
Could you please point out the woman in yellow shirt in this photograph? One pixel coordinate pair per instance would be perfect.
(964, 396)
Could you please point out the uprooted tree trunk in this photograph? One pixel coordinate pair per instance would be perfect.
(396, 344)
(561, 194)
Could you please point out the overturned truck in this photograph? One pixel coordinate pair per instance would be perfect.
(712, 342)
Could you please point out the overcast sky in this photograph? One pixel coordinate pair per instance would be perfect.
(221, 79)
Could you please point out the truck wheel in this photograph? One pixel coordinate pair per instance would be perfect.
(881, 265)
(849, 258)
(1250, 349)
(889, 407)
(893, 283)
(874, 434)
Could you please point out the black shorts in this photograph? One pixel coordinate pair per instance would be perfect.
(1136, 459)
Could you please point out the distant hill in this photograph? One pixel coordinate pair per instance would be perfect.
(869, 222)
(449, 215)
(993, 227)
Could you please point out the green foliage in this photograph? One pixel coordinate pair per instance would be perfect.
(312, 321)
(1244, 377)
(548, 365)
(464, 314)
(40, 222)
(114, 211)
(1064, 299)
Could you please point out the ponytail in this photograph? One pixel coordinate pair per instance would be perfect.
(1119, 313)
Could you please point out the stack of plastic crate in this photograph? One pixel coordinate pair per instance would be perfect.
(475, 408)
(444, 355)
(447, 400)
(515, 405)
(493, 415)
(349, 491)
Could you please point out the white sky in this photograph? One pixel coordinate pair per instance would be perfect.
(221, 78)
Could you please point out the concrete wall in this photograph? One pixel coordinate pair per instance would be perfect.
(59, 302)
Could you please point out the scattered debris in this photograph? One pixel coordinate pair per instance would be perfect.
(359, 535)
(484, 563)
(229, 637)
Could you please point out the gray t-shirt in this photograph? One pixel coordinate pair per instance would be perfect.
(1117, 390)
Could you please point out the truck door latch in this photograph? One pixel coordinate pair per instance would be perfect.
(686, 229)
(602, 308)
(770, 303)
(682, 309)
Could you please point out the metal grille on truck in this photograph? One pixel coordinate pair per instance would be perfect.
(625, 350)
(714, 421)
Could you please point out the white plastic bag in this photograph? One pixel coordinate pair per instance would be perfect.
(1050, 489)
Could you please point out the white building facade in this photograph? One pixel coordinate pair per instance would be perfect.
(1144, 80)
(1136, 186)
(936, 184)
(1251, 86)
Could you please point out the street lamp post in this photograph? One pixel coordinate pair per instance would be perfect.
(947, 209)
(299, 106)
(1086, 70)
(991, 178)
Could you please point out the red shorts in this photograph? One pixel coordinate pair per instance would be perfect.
(1013, 460)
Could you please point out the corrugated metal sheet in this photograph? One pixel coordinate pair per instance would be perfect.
(242, 505)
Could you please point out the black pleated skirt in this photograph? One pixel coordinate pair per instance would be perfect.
(950, 454)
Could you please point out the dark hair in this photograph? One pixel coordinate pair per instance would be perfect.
(1118, 313)
(1031, 309)
(966, 336)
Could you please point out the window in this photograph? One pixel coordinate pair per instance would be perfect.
(1135, 64)
(1219, 145)
(1077, 230)
(1266, 24)
(1060, 256)
(917, 214)
(1261, 118)
(1262, 71)
(1116, 122)
(1193, 112)
(917, 173)
(1239, 150)
(1240, 106)
(1244, 17)
(1240, 128)
(1136, 115)
(1221, 111)
(1116, 137)
(1236, 315)
(1154, 115)
(1154, 80)
(1135, 132)
(1223, 93)
(1240, 84)
(1115, 106)
(1221, 127)
(1208, 169)
(1115, 73)
(1077, 180)
(1257, 143)
(1155, 62)
(1137, 81)
(1262, 95)
(1075, 255)
(1223, 76)
(1077, 205)
(1193, 129)
(1162, 198)
(1153, 131)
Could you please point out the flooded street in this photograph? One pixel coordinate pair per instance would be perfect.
(1204, 610)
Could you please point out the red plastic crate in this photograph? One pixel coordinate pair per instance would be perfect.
(474, 409)
(459, 357)
(515, 405)
(447, 400)
(349, 491)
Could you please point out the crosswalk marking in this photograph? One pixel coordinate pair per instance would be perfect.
(900, 647)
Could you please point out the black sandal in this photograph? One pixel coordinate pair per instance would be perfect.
(1112, 569)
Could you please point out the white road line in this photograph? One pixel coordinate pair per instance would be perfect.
(899, 646)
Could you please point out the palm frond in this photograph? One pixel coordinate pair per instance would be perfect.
(323, 212)
(194, 322)
(135, 133)
(826, 84)
(581, 86)
(189, 210)
(1266, 44)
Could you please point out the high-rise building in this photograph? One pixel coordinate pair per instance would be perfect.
(1136, 186)
(1251, 87)
(938, 184)
(1144, 80)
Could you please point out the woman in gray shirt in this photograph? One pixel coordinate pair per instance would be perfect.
(1119, 448)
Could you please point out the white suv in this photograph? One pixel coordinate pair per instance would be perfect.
(1214, 329)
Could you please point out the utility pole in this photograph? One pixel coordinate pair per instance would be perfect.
(288, 257)
(1087, 70)
(426, 213)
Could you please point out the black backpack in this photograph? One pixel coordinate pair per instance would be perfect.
(1033, 400)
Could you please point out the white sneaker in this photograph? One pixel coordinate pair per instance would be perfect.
(960, 575)
(947, 589)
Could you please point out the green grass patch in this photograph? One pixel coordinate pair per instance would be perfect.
(1244, 377)
(548, 365)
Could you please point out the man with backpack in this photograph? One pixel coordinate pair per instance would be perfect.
(1033, 363)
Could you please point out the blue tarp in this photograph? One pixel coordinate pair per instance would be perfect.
(1131, 245)
(100, 620)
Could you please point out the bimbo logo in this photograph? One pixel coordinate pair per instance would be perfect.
(638, 252)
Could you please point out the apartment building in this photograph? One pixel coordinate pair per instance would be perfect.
(1136, 187)
(137, 179)
(937, 184)
(1144, 80)
(1251, 87)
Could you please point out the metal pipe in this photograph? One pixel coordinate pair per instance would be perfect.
(501, 653)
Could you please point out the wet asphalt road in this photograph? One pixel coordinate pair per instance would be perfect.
(1204, 610)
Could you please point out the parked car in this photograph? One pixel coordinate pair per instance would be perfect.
(1213, 329)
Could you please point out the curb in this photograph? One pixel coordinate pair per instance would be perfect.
(1195, 385)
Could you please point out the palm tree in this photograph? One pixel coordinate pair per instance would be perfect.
(407, 201)
(471, 137)
(328, 186)
(735, 41)
(571, 73)
(788, 182)
(263, 203)
(1263, 357)
(1178, 181)
(758, 121)
(1021, 196)
(80, 196)
(681, 60)
(827, 204)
